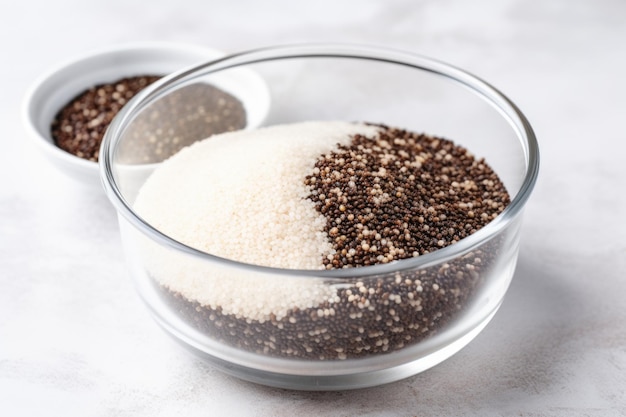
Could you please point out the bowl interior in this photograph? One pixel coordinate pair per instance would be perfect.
(422, 95)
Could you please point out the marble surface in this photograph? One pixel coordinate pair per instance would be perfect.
(76, 341)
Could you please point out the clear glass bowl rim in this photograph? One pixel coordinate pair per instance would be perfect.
(490, 94)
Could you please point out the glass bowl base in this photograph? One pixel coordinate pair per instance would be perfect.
(335, 382)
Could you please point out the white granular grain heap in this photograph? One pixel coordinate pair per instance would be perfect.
(241, 196)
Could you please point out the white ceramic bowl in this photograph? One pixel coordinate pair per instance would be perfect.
(57, 87)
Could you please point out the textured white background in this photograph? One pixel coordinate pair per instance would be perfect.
(76, 341)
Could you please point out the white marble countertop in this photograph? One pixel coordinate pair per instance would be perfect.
(75, 339)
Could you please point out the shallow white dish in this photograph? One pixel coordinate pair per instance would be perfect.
(55, 88)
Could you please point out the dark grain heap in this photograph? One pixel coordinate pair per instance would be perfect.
(79, 126)
(180, 118)
(401, 195)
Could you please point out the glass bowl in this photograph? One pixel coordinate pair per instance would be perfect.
(383, 322)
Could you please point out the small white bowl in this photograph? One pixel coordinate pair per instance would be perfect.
(54, 89)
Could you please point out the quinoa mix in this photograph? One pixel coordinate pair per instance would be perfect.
(191, 113)
(364, 195)
(79, 126)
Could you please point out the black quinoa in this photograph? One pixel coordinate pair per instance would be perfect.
(79, 126)
(401, 195)
(188, 114)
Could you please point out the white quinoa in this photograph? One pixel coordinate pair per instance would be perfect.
(241, 196)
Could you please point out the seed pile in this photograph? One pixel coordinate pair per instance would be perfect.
(401, 195)
(191, 113)
(368, 318)
(79, 126)
(385, 194)
(240, 195)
